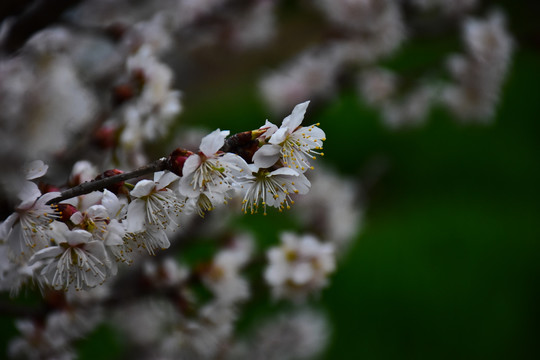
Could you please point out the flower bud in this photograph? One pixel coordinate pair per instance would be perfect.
(244, 144)
(47, 188)
(122, 93)
(105, 137)
(176, 160)
(116, 30)
(115, 188)
(66, 210)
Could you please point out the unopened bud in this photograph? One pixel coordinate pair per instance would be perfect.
(122, 93)
(116, 30)
(138, 77)
(244, 144)
(47, 188)
(176, 160)
(105, 137)
(66, 211)
(117, 187)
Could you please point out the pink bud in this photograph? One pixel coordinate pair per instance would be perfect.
(176, 160)
(117, 187)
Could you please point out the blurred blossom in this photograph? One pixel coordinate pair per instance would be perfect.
(52, 337)
(165, 273)
(311, 75)
(83, 171)
(222, 276)
(480, 72)
(44, 105)
(299, 267)
(377, 85)
(256, 27)
(159, 331)
(411, 110)
(298, 335)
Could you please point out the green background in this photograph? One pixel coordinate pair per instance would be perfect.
(447, 264)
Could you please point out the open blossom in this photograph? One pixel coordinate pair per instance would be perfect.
(153, 204)
(97, 218)
(35, 169)
(27, 230)
(299, 266)
(292, 143)
(272, 188)
(211, 172)
(77, 260)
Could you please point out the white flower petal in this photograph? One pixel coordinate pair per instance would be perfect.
(77, 218)
(166, 179)
(111, 203)
(212, 142)
(35, 169)
(191, 164)
(284, 171)
(279, 136)
(46, 253)
(136, 216)
(143, 188)
(6, 225)
(295, 118)
(78, 237)
(271, 129)
(266, 156)
(302, 273)
(28, 194)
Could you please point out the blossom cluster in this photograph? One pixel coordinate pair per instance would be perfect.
(77, 243)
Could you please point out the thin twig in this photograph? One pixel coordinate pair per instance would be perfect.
(95, 185)
(236, 143)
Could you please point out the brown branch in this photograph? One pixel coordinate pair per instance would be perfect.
(242, 144)
(101, 184)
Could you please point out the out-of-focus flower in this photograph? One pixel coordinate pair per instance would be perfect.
(377, 85)
(83, 171)
(256, 27)
(311, 75)
(35, 169)
(222, 276)
(299, 267)
(480, 73)
(298, 335)
(165, 273)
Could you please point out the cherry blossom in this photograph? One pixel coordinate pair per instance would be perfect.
(292, 143)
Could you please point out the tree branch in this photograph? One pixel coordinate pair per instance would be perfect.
(243, 144)
(101, 184)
